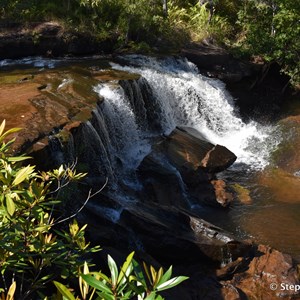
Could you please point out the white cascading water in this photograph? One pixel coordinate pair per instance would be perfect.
(189, 99)
(128, 142)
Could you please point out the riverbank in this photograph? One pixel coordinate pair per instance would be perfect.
(260, 89)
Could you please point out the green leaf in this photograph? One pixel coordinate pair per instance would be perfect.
(2, 126)
(139, 273)
(106, 296)
(137, 289)
(22, 174)
(171, 283)
(153, 274)
(126, 268)
(166, 276)
(101, 275)
(147, 272)
(10, 205)
(113, 270)
(151, 296)
(18, 158)
(11, 291)
(158, 277)
(64, 290)
(97, 284)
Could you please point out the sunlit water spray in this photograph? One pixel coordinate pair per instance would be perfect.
(189, 99)
(128, 142)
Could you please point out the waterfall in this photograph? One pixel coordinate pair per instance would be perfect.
(186, 98)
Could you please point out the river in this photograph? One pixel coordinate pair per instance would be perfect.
(171, 93)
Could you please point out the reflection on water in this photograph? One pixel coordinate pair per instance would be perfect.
(275, 224)
(273, 216)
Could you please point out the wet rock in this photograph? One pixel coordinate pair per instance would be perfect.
(191, 162)
(187, 148)
(162, 181)
(216, 62)
(222, 195)
(216, 243)
(283, 185)
(39, 107)
(242, 194)
(270, 274)
(163, 231)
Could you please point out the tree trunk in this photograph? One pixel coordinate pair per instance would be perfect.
(165, 7)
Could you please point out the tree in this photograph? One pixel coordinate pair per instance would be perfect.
(272, 30)
(165, 7)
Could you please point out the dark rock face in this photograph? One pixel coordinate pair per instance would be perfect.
(49, 39)
(187, 149)
(165, 232)
(219, 266)
(218, 63)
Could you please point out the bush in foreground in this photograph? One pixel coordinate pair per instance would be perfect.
(36, 253)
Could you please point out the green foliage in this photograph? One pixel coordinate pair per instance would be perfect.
(128, 282)
(266, 28)
(32, 250)
(198, 21)
(271, 29)
(35, 252)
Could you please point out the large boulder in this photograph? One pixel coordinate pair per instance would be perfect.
(188, 149)
(183, 163)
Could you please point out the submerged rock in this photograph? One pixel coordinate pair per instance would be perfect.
(222, 195)
(242, 194)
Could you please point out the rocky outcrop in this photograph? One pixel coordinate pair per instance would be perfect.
(216, 62)
(44, 101)
(185, 162)
(269, 274)
(49, 39)
(220, 266)
(165, 232)
(260, 88)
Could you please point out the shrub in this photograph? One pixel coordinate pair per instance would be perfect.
(34, 251)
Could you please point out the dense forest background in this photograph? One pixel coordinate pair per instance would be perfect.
(267, 30)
